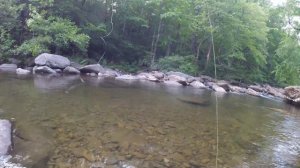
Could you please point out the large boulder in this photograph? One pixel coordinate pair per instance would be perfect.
(8, 67)
(197, 84)
(43, 70)
(158, 75)
(93, 68)
(71, 70)
(217, 88)
(52, 61)
(292, 94)
(5, 137)
(176, 78)
(224, 85)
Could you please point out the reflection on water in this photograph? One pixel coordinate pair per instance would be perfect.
(75, 121)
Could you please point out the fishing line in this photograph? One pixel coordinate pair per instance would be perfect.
(217, 104)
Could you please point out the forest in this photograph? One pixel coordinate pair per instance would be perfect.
(252, 40)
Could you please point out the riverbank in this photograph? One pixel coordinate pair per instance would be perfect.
(58, 65)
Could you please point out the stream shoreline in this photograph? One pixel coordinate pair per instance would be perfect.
(55, 65)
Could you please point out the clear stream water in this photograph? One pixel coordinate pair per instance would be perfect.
(95, 123)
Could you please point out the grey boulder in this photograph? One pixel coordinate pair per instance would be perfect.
(52, 61)
(292, 94)
(93, 68)
(71, 70)
(43, 70)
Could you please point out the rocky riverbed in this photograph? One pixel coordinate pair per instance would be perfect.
(90, 121)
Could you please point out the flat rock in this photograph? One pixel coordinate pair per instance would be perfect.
(5, 137)
(93, 68)
(71, 70)
(52, 61)
(108, 73)
(127, 77)
(8, 67)
(21, 71)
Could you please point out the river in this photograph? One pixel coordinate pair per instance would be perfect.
(88, 122)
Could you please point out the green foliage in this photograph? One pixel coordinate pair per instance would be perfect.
(288, 71)
(6, 44)
(53, 34)
(184, 64)
(126, 67)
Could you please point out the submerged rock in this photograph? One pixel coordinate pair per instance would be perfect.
(93, 68)
(292, 94)
(199, 102)
(52, 61)
(21, 71)
(5, 137)
(8, 67)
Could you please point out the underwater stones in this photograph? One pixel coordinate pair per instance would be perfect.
(5, 137)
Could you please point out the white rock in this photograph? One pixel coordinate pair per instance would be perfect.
(21, 71)
(197, 84)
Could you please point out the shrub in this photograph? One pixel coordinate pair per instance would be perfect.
(185, 64)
